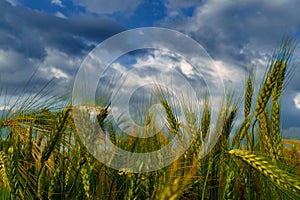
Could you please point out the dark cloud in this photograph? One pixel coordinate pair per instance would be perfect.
(290, 114)
(228, 28)
(291, 133)
(30, 32)
(53, 47)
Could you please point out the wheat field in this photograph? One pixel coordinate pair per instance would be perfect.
(43, 157)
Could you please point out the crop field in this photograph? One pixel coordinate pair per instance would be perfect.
(43, 157)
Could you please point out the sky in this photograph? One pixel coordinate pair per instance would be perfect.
(51, 39)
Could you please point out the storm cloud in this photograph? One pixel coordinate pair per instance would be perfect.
(31, 40)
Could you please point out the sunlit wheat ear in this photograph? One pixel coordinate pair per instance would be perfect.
(279, 177)
(267, 88)
(68, 177)
(275, 131)
(275, 116)
(85, 182)
(3, 169)
(248, 96)
(173, 122)
(170, 114)
(279, 82)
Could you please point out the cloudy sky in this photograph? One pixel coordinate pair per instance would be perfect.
(51, 39)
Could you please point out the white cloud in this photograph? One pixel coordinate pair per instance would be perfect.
(297, 101)
(168, 70)
(58, 73)
(4, 108)
(57, 65)
(157, 67)
(60, 15)
(232, 75)
(186, 68)
(57, 2)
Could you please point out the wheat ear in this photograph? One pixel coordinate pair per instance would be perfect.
(279, 177)
(267, 88)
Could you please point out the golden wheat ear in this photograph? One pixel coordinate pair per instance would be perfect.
(278, 176)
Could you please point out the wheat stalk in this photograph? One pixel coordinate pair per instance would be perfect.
(241, 133)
